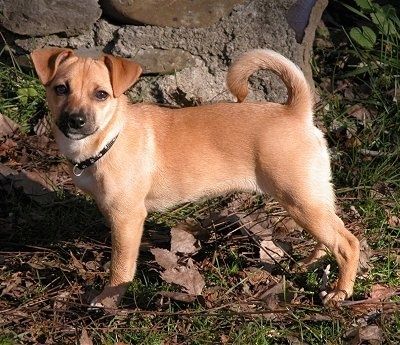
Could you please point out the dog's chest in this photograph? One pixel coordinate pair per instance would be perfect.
(86, 182)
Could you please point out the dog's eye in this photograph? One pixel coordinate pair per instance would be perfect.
(101, 95)
(61, 89)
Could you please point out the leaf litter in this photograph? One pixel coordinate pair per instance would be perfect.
(56, 280)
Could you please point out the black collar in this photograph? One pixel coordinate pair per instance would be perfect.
(79, 167)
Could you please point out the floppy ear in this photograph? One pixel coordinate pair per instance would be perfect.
(123, 73)
(47, 60)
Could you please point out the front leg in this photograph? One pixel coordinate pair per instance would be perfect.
(126, 234)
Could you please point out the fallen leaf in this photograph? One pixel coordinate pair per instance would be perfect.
(370, 334)
(84, 339)
(360, 112)
(182, 239)
(255, 224)
(393, 221)
(364, 265)
(256, 276)
(60, 302)
(278, 294)
(35, 186)
(7, 126)
(77, 264)
(43, 127)
(178, 296)
(7, 146)
(165, 258)
(188, 278)
(270, 252)
(382, 292)
(6, 171)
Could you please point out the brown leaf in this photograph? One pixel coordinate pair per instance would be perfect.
(12, 286)
(7, 146)
(360, 112)
(6, 171)
(393, 221)
(7, 126)
(270, 252)
(60, 302)
(364, 265)
(77, 264)
(189, 278)
(278, 294)
(382, 292)
(34, 185)
(370, 334)
(165, 258)
(43, 127)
(178, 296)
(84, 339)
(183, 240)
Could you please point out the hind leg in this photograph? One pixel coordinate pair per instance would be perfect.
(318, 253)
(319, 220)
(300, 180)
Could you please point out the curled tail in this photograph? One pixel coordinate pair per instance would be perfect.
(300, 96)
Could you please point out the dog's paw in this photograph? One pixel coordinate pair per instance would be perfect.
(95, 306)
(334, 297)
(108, 300)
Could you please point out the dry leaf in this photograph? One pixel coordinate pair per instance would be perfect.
(360, 112)
(189, 278)
(35, 186)
(6, 171)
(165, 258)
(84, 339)
(60, 302)
(179, 296)
(7, 146)
(7, 126)
(393, 221)
(77, 264)
(370, 334)
(183, 240)
(256, 224)
(43, 127)
(364, 265)
(382, 292)
(277, 294)
(270, 252)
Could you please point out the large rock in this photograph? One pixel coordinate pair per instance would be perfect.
(46, 17)
(189, 13)
(252, 24)
(198, 58)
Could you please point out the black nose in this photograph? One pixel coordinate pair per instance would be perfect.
(76, 121)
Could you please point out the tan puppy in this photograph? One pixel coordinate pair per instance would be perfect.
(155, 157)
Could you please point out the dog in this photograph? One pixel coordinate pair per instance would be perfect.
(137, 158)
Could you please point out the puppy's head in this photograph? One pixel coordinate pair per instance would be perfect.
(82, 93)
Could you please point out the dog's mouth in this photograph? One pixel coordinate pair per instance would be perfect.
(77, 136)
(76, 126)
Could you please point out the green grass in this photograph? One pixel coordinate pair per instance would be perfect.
(23, 98)
(39, 242)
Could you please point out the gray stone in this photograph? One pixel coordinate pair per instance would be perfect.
(252, 24)
(155, 61)
(198, 58)
(188, 13)
(46, 17)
